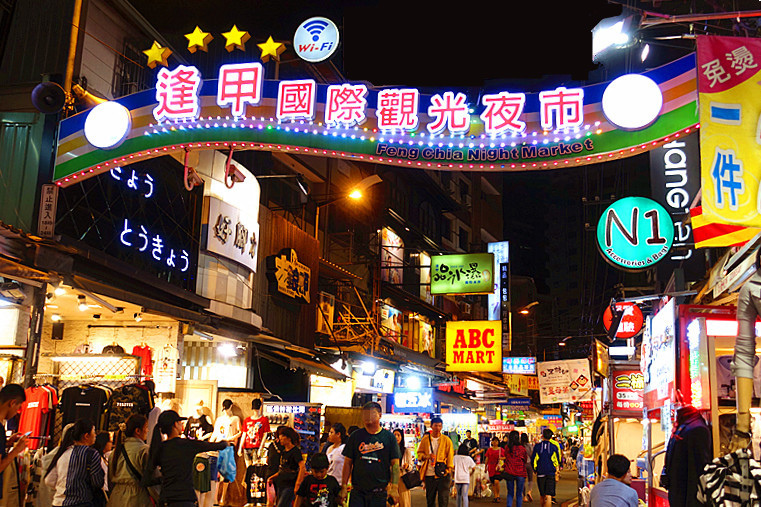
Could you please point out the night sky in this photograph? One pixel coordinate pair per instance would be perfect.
(430, 44)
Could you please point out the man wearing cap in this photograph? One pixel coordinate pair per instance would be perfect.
(174, 457)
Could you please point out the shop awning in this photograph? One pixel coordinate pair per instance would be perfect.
(451, 399)
(292, 360)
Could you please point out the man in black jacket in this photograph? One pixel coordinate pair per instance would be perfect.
(689, 451)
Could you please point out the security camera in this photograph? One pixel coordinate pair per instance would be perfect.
(235, 175)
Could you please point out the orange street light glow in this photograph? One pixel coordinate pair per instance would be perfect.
(355, 194)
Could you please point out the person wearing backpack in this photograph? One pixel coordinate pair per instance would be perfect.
(436, 455)
(127, 463)
(546, 461)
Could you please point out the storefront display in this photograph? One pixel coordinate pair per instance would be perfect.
(305, 418)
(412, 426)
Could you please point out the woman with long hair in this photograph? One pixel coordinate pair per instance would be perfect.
(128, 461)
(336, 440)
(515, 468)
(174, 459)
(527, 496)
(495, 457)
(75, 473)
(103, 445)
(292, 469)
(405, 465)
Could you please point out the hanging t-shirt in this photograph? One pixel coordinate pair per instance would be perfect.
(83, 402)
(254, 430)
(125, 401)
(195, 427)
(146, 356)
(319, 492)
(33, 411)
(165, 375)
(371, 455)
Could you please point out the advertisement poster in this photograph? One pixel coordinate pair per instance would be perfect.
(730, 105)
(658, 356)
(516, 384)
(426, 342)
(425, 278)
(391, 322)
(392, 254)
(628, 386)
(474, 345)
(326, 312)
(462, 274)
(564, 381)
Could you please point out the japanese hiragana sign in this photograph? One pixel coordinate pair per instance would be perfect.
(729, 70)
(288, 277)
(627, 390)
(498, 130)
(462, 274)
(634, 233)
(474, 345)
(133, 214)
(564, 381)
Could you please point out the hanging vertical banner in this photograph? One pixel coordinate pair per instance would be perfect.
(674, 183)
(500, 297)
(730, 137)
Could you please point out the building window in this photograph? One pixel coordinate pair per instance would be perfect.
(464, 190)
(446, 227)
(129, 76)
(464, 239)
(427, 219)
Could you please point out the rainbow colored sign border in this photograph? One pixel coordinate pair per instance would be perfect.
(535, 149)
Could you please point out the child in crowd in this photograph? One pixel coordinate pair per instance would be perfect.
(318, 489)
(463, 467)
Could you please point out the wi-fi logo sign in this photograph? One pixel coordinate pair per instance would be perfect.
(315, 28)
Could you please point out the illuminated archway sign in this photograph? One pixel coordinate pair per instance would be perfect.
(506, 130)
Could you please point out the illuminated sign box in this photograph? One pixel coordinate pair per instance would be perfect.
(462, 274)
(474, 345)
(417, 401)
(519, 365)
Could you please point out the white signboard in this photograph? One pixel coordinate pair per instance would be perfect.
(232, 234)
(657, 362)
(564, 381)
(48, 206)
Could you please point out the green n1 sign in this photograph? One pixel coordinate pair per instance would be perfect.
(635, 233)
(462, 274)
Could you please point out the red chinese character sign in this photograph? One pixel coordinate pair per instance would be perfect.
(631, 323)
(498, 130)
(627, 392)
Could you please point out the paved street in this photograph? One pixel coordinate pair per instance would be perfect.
(566, 490)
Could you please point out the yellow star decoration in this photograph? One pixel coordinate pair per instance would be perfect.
(198, 39)
(235, 39)
(157, 55)
(271, 49)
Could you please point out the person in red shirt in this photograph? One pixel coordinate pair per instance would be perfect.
(495, 456)
(515, 469)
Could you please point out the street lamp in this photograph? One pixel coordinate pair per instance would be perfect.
(526, 309)
(355, 194)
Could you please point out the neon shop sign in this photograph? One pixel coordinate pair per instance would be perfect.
(136, 236)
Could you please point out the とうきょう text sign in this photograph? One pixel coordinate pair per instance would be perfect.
(474, 345)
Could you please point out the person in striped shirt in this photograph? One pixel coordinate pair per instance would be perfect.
(76, 474)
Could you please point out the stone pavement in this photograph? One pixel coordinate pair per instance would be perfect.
(565, 489)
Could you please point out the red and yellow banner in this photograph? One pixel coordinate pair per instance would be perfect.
(729, 71)
(474, 345)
